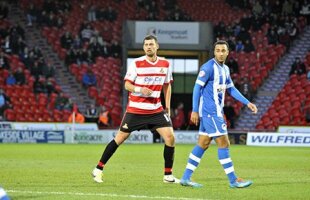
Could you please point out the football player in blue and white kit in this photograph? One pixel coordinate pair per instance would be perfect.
(208, 101)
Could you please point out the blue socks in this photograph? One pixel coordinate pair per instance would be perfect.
(226, 162)
(193, 162)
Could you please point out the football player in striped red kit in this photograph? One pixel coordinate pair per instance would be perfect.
(146, 77)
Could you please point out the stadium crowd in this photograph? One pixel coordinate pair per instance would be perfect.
(96, 37)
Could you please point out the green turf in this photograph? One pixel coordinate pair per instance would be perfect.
(52, 171)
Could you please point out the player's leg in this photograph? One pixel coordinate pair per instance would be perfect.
(194, 160)
(226, 162)
(196, 154)
(127, 126)
(108, 153)
(167, 134)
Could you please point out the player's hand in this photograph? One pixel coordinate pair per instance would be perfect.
(146, 91)
(252, 107)
(195, 118)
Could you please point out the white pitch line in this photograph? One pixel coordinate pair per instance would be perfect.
(103, 194)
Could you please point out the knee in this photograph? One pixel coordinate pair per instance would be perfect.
(204, 144)
(169, 140)
(121, 137)
(224, 144)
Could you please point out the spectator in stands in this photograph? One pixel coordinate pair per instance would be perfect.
(76, 117)
(277, 8)
(36, 70)
(220, 30)
(298, 67)
(4, 62)
(92, 114)
(84, 56)
(39, 86)
(233, 65)
(72, 56)
(105, 52)
(246, 21)
(89, 79)
(178, 120)
(257, 23)
(287, 7)
(232, 42)
(95, 47)
(18, 30)
(32, 13)
(257, 8)
(66, 40)
(151, 17)
(104, 118)
(48, 70)
(284, 37)
(107, 34)
(272, 36)
(230, 114)
(6, 45)
(10, 80)
(59, 22)
(245, 88)
(4, 10)
(91, 14)
(61, 101)
(296, 8)
(49, 85)
(292, 30)
(97, 36)
(110, 14)
(248, 46)
(77, 42)
(116, 49)
(42, 18)
(5, 102)
(239, 46)
(244, 35)
(305, 10)
(37, 52)
(20, 76)
(18, 45)
(267, 7)
(87, 33)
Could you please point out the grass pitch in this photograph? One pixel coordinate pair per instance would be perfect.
(58, 171)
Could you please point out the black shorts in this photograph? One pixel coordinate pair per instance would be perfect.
(132, 122)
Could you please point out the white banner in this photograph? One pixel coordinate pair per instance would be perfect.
(51, 126)
(278, 139)
(105, 136)
(168, 32)
(294, 129)
(186, 137)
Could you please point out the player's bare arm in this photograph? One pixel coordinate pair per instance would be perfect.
(167, 94)
(143, 90)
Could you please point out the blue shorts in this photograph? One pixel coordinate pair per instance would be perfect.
(212, 126)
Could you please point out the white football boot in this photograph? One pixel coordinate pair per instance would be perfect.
(170, 179)
(97, 174)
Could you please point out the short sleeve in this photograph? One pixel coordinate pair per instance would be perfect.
(131, 73)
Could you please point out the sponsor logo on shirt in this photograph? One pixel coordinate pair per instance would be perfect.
(221, 88)
(154, 80)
